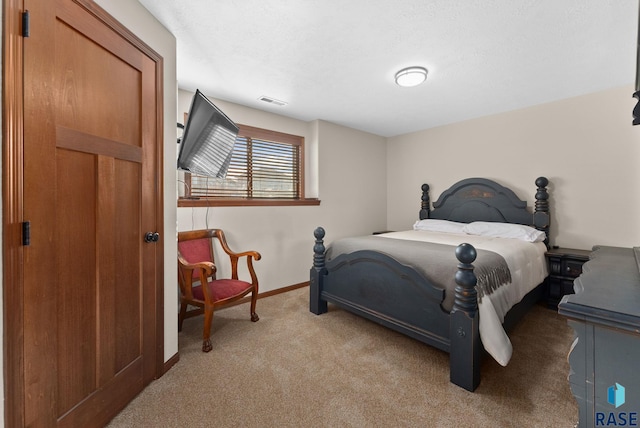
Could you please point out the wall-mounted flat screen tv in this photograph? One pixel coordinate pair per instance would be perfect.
(208, 139)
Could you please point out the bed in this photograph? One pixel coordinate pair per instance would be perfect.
(439, 291)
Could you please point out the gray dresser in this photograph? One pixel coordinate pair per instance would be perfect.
(605, 355)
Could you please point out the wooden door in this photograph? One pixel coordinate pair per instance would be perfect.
(91, 285)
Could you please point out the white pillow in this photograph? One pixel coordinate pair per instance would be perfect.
(505, 230)
(435, 225)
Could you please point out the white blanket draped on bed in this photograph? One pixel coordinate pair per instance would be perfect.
(528, 268)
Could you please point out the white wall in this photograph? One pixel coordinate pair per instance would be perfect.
(345, 168)
(586, 146)
(138, 20)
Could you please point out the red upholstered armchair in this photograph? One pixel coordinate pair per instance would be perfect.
(195, 263)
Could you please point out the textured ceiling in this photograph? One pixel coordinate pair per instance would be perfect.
(335, 60)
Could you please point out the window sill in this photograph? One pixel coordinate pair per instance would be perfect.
(239, 202)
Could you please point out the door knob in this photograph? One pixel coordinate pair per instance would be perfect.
(151, 237)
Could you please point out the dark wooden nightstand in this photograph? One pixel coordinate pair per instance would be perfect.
(565, 265)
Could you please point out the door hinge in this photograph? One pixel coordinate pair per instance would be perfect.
(26, 233)
(26, 24)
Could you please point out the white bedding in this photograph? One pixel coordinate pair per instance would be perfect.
(528, 268)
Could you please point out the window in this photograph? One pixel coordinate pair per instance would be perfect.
(266, 169)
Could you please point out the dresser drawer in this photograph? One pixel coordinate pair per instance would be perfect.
(571, 268)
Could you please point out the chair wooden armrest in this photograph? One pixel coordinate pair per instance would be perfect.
(250, 255)
(208, 268)
(185, 270)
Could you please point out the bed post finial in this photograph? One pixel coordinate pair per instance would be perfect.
(318, 249)
(464, 332)
(425, 211)
(316, 304)
(466, 299)
(541, 217)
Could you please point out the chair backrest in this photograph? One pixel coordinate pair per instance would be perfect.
(197, 250)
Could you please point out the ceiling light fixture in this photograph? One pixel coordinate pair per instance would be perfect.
(411, 76)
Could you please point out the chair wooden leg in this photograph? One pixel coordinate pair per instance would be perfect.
(181, 315)
(206, 333)
(254, 299)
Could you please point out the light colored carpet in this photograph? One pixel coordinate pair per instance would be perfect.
(293, 368)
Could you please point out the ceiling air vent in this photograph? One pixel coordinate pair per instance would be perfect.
(272, 101)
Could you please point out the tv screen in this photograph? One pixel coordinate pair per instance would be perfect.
(208, 139)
